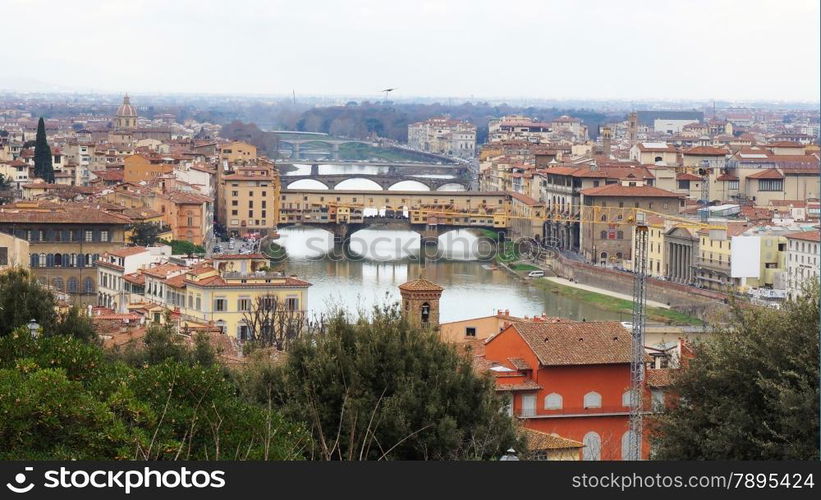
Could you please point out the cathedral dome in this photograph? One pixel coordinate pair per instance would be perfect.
(126, 109)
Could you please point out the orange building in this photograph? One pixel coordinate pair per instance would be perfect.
(188, 214)
(570, 379)
(142, 168)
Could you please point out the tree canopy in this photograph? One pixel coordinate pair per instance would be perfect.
(751, 392)
(380, 389)
(43, 167)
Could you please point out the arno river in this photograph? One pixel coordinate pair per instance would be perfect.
(384, 259)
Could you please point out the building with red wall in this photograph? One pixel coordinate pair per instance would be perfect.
(571, 379)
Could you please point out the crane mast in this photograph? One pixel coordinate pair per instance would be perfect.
(637, 341)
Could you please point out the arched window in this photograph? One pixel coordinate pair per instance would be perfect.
(592, 446)
(592, 400)
(553, 401)
(50, 260)
(58, 284)
(88, 285)
(603, 235)
(627, 450)
(35, 260)
(58, 260)
(88, 260)
(72, 285)
(604, 217)
(625, 398)
(425, 312)
(66, 260)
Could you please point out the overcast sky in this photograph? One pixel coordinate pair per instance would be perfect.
(608, 49)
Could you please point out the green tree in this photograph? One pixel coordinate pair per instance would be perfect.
(751, 391)
(22, 299)
(380, 389)
(43, 167)
(182, 247)
(75, 323)
(60, 398)
(145, 233)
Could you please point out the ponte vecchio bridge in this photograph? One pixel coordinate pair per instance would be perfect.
(428, 213)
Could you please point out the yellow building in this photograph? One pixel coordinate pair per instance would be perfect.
(227, 292)
(14, 251)
(249, 199)
(142, 168)
(238, 152)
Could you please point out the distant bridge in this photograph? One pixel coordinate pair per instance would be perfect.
(296, 144)
(385, 181)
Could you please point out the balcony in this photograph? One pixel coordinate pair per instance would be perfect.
(576, 411)
(713, 265)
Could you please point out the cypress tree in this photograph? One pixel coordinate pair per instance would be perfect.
(42, 155)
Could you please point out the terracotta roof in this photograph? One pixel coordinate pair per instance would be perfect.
(659, 377)
(576, 343)
(770, 173)
(219, 281)
(687, 177)
(163, 270)
(186, 198)
(421, 285)
(136, 278)
(727, 177)
(705, 151)
(527, 200)
(519, 364)
(788, 203)
(629, 191)
(651, 147)
(537, 440)
(527, 385)
(805, 236)
(110, 174)
(176, 281)
(785, 144)
(51, 213)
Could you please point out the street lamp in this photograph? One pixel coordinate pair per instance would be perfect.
(34, 328)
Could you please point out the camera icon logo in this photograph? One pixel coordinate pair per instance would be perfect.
(20, 479)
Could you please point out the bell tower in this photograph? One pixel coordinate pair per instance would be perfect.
(420, 303)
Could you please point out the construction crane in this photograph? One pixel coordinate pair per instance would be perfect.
(642, 220)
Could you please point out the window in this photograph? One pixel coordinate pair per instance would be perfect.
(244, 304)
(657, 397)
(4, 256)
(592, 400)
(234, 203)
(732, 185)
(72, 285)
(470, 331)
(425, 312)
(88, 285)
(627, 450)
(292, 303)
(592, 446)
(528, 405)
(626, 400)
(219, 304)
(684, 185)
(242, 332)
(603, 235)
(771, 184)
(199, 303)
(104, 235)
(234, 193)
(88, 235)
(553, 401)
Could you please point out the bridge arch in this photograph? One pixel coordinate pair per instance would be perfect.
(353, 184)
(409, 185)
(308, 184)
(452, 186)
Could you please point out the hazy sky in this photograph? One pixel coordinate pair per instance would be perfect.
(616, 49)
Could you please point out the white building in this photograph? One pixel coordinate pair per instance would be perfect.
(443, 136)
(518, 128)
(113, 267)
(802, 260)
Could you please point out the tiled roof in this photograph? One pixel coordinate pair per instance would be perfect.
(629, 191)
(421, 285)
(727, 177)
(527, 385)
(687, 177)
(576, 343)
(219, 281)
(233, 256)
(519, 364)
(659, 378)
(805, 236)
(537, 440)
(705, 151)
(54, 213)
(770, 173)
(527, 200)
(163, 270)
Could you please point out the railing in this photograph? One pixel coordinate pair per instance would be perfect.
(720, 266)
(565, 411)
